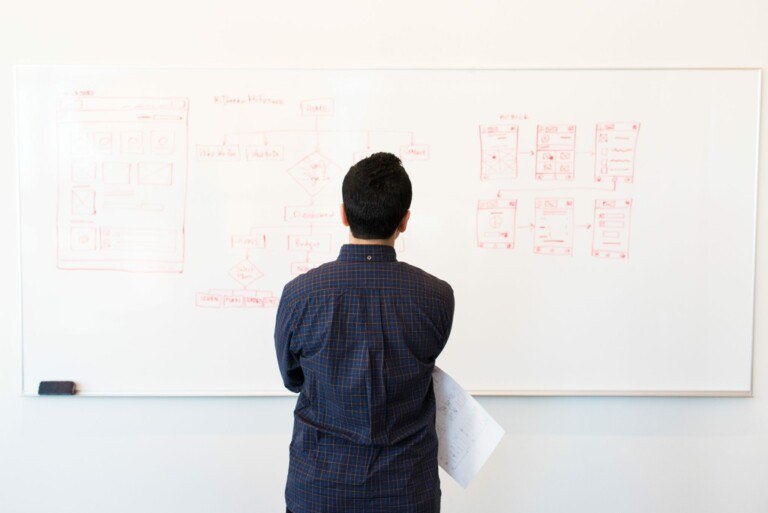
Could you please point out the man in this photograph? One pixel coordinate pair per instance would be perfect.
(357, 338)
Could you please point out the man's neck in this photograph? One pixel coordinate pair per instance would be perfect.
(379, 242)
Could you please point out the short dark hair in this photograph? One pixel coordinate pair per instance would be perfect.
(377, 194)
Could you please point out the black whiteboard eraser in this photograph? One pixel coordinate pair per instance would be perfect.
(56, 388)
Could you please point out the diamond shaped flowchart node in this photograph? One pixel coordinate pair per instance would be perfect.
(245, 272)
(314, 172)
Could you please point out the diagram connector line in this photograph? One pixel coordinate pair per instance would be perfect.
(506, 192)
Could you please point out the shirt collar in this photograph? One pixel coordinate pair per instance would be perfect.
(367, 253)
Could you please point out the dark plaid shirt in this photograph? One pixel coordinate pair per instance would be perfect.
(358, 338)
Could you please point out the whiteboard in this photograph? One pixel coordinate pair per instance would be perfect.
(597, 226)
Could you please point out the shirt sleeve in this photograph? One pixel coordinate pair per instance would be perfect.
(449, 316)
(288, 362)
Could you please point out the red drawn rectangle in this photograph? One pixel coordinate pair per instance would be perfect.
(216, 153)
(555, 152)
(83, 202)
(313, 243)
(83, 239)
(258, 298)
(318, 107)
(315, 214)
(615, 151)
(414, 152)
(254, 241)
(233, 301)
(264, 153)
(208, 300)
(498, 150)
(611, 231)
(146, 240)
(102, 142)
(155, 173)
(495, 223)
(132, 142)
(162, 142)
(554, 226)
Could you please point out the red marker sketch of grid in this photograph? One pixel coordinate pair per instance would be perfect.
(554, 226)
(555, 152)
(496, 223)
(610, 237)
(615, 149)
(122, 184)
(498, 151)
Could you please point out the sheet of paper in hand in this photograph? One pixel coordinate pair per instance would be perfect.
(467, 434)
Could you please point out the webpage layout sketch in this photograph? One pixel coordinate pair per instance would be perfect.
(122, 184)
(615, 148)
(551, 204)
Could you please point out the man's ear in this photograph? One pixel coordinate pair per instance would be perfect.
(344, 216)
(404, 223)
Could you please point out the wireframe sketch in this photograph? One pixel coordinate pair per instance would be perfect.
(496, 223)
(555, 152)
(615, 149)
(498, 150)
(466, 433)
(611, 228)
(554, 226)
(122, 184)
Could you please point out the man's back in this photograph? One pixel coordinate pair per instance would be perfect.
(358, 338)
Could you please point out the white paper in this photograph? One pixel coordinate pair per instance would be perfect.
(466, 433)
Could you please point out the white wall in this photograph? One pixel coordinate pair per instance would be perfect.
(230, 455)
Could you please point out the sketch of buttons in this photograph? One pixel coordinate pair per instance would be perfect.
(314, 172)
(245, 272)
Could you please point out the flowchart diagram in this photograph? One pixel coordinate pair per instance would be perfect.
(545, 207)
(308, 233)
